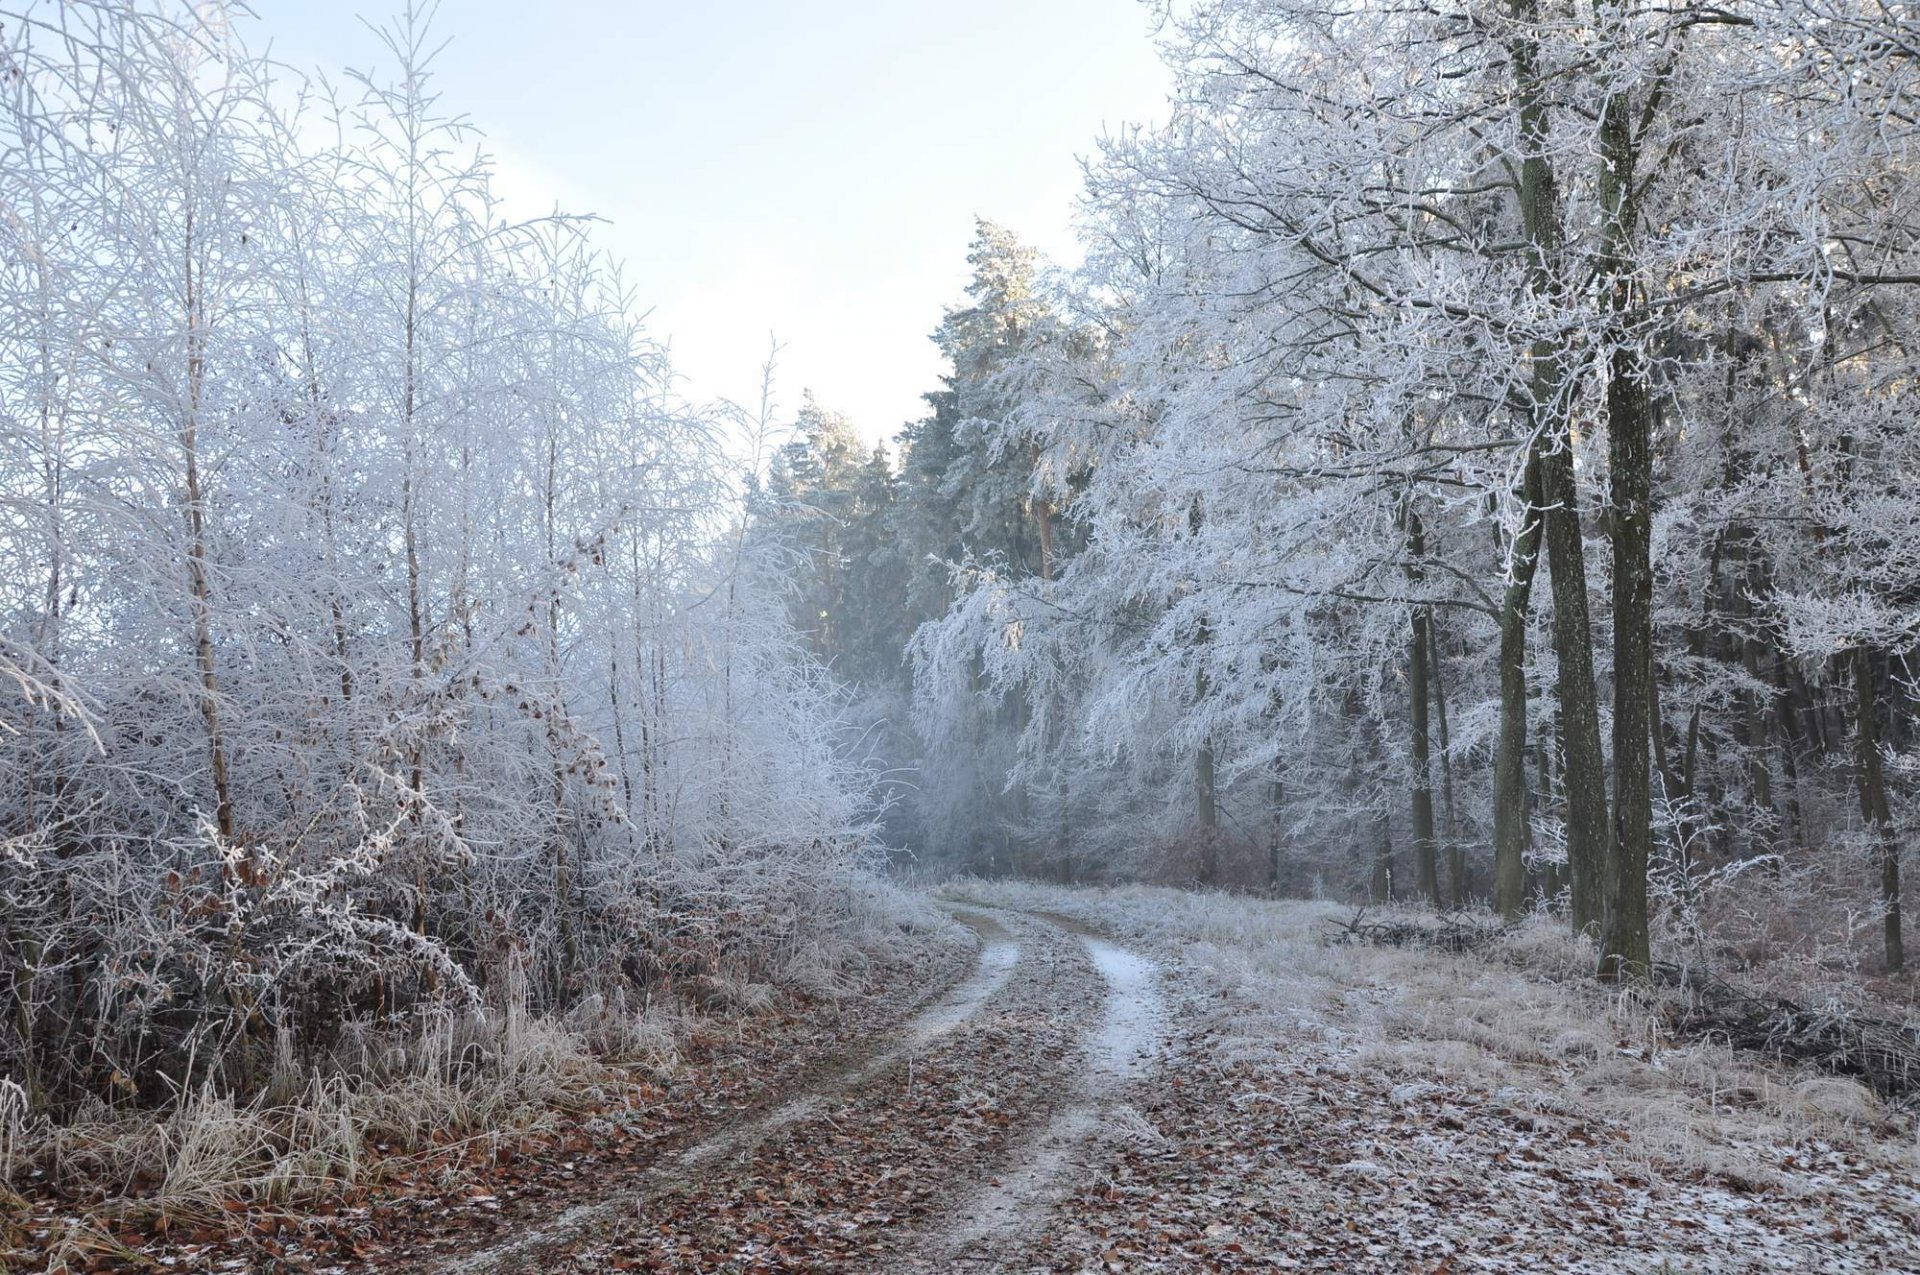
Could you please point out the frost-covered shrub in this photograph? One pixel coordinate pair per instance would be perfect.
(387, 651)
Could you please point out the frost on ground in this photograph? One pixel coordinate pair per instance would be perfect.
(869, 1177)
(430, 1165)
(1122, 1047)
(1386, 1109)
(1211, 1087)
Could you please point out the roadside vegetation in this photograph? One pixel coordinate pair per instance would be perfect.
(1360, 1107)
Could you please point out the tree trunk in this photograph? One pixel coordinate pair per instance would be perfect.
(1584, 774)
(1205, 799)
(1624, 945)
(1456, 854)
(1426, 859)
(1765, 837)
(416, 620)
(1874, 806)
(1553, 877)
(1206, 802)
(1043, 528)
(1763, 734)
(1426, 862)
(557, 712)
(1585, 768)
(1785, 714)
(1382, 888)
(197, 541)
(1510, 755)
(1275, 833)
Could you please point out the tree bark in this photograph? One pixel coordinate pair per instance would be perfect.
(1456, 854)
(1426, 859)
(1209, 812)
(1786, 715)
(1764, 838)
(1426, 863)
(1276, 792)
(1382, 886)
(196, 513)
(1584, 775)
(1510, 755)
(1553, 877)
(1874, 807)
(1624, 945)
(1206, 799)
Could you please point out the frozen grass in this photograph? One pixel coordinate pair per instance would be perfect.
(1523, 1026)
(382, 1103)
(494, 1075)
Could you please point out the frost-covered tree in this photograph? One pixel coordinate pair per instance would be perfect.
(1401, 306)
(384, 637)
(967, 499)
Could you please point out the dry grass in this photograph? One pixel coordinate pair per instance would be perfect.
(471, 1075)
(382, 1103)
(1525, 1025)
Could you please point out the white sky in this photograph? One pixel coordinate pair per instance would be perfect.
(809, 168)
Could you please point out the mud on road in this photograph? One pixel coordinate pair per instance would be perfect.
(944, 1149)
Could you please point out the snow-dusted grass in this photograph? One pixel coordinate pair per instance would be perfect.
(1523, 1024)
(493, 1076)
(384, 1104)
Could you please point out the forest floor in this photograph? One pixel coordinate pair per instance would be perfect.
(1161, 1081)
(1345, 1108)
(1155, 1080)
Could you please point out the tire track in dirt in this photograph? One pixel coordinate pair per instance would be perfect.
(941, 1151)
(1002, 1211)
(851, 1185)
(999, 956)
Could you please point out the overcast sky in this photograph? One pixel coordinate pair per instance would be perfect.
(809, 168)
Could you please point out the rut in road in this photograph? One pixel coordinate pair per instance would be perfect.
(1006, 1208)
(973, 1114)
(999, 954)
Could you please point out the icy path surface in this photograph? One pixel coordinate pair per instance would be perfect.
(1122, 1049)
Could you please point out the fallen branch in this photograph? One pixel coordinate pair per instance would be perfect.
(1884, 1054)
(1452, 931)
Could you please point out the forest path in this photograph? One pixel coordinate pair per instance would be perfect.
(939, 1152)
(1005, 1209)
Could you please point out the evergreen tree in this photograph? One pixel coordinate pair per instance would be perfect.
(968, 498)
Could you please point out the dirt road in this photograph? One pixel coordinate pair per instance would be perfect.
(943, 1150)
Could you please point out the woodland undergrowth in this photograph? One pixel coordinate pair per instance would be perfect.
(1516, 1009)
(440, 1099)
